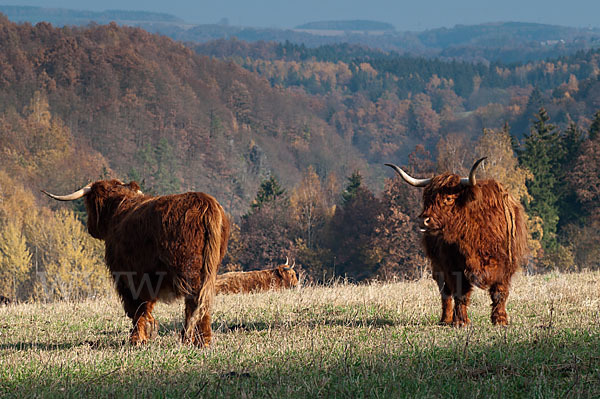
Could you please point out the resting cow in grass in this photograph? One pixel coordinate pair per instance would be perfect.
(474, 233)
(283, 276)
(158, 248)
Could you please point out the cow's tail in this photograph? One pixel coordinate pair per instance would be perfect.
(213, 220)
(516, 231)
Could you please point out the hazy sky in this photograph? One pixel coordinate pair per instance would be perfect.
(403, 14)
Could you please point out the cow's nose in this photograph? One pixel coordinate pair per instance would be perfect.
(427, 222)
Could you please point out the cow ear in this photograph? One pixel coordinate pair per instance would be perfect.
(134, 186)
(94, 204)
(472, 193)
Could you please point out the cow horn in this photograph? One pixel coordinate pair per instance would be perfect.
(294, 264)
(409, 179)
(287, 262)
(471, 181)
(73, 196)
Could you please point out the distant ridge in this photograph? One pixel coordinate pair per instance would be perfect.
(63, 16)
(508, 42)
(355, 25)
(500, 33)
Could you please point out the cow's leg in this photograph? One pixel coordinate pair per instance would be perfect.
(145, 326)
(446, 295)
(499, 295)
(196, 332)
(462, 296)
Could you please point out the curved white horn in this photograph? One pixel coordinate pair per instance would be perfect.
(287, 261)
(471, 181)
(408, 178)
(73, 196)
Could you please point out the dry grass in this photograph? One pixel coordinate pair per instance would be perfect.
(378, 340)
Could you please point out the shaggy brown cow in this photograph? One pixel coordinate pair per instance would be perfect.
(158, 248)
(283, 276)
(474, 235)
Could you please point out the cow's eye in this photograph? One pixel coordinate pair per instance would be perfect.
(449, 200)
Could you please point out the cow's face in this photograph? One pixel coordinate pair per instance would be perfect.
(288, 276)
(103, 201)
(445, 200)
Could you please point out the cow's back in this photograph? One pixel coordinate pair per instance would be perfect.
(165, 235)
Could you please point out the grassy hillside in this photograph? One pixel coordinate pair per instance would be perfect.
(378, 340)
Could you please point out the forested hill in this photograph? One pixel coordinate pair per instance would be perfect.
(148, 108)
(80, 103)
(386, 103)
(291, 140)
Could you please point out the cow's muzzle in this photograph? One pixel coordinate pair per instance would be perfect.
(428, 225)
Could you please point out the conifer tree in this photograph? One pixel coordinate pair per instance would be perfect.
(541, 155)
(569, 207)
(267, 231)
(595, 126)
(269, 190)
(354, 182)
(352, 230)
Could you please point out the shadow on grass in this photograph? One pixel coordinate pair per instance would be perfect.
(117, 339)
(374, 322)
(110, 340)
(562, 364)
(175, 325)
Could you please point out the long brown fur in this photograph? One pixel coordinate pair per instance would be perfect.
(256, 281)
(160, 248)
(476, 236)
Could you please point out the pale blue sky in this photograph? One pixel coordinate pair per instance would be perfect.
(403, 14)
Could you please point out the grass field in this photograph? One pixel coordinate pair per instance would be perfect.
(368, 341)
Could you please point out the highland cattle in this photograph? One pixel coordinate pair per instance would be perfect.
(474, 234)
(282, 276)
(158, 248)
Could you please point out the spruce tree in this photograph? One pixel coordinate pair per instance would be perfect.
(541, 155)
(595, 126)
(267, 230)
(269, 191)
(569, 207)
(352, 230)
(351, 189)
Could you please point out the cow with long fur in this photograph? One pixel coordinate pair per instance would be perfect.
(158, 248)
(282, 276)
(474, 233)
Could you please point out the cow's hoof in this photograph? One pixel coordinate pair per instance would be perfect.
(195, 339)
(445, 322)
(151, 328)
(499, 320)
(461, 323)
(135, 339)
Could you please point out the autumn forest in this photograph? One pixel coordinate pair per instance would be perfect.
(291, 140)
